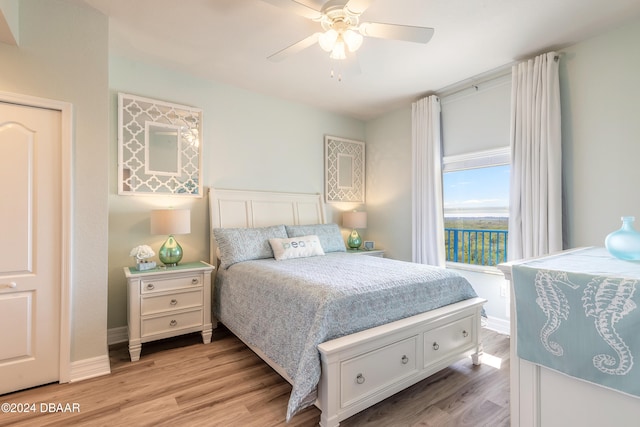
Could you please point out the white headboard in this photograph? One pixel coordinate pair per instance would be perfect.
(241, 208)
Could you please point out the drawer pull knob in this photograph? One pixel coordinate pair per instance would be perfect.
(405, 359)
(174, 302)
(465, 334)
(195, 281)
(360, 379)
(150, 286)
(173, 323)
(436, 346)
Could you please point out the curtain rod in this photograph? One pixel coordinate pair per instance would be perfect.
(476, 81)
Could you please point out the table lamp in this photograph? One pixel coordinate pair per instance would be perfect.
(354, 220)
(170, 221)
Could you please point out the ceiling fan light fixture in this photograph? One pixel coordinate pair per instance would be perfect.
(353, 40)
(338, 51)
(340, 22)
(335, 41)
(327, 40)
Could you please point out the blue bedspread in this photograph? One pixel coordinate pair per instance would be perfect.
(577, 313)
(286, 308)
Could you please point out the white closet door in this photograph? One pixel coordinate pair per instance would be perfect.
(30, 246)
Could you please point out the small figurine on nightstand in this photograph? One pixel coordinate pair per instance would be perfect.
(141, 253)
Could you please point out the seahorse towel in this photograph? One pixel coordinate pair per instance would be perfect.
(579, 313)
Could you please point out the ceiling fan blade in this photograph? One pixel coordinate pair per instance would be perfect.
(396, 32)
(295, 48)
(297, 8)
(357, 6)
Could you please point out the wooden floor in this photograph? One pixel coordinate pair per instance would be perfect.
(181, 382)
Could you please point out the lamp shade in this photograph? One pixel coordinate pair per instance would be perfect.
(171, 221)
(354, 219)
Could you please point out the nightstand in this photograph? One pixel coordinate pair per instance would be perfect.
(165, 302)
(372, 252)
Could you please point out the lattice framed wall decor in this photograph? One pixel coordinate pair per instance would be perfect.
(159, 147)
(344, 170)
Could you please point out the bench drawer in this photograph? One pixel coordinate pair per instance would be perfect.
(371, 372)
(448, 339)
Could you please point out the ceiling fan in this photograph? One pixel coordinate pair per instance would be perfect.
(342, 29)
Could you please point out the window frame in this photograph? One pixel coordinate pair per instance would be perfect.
(477, 159)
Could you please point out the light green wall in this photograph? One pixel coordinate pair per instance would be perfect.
(251, 141)
(389, 183)
(601, 134)
(63, 55)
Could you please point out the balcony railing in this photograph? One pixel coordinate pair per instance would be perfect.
(479, 247)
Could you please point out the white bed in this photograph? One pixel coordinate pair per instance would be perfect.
(410, 349)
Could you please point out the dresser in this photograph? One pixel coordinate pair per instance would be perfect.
(165, 302)
(542, 396)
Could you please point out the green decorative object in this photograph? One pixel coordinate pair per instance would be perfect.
(354, 241)
(354, 220)
(170, 252)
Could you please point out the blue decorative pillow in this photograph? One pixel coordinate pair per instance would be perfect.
(329, 235)
(244, 244)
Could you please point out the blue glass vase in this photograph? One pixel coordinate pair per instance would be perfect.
(625, 242)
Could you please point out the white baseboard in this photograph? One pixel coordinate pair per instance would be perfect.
(97, 366)
(499, 325)
(89, 368)
(117, 335)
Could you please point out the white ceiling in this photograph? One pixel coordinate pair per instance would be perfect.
(229, 40)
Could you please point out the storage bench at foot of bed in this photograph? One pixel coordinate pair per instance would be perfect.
(362, 369)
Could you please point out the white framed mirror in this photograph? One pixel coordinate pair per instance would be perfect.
(344, 170)
(159, 147)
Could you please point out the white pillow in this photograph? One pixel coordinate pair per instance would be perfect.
(329, 235)
(296, 247)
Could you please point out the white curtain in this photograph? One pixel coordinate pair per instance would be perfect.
(427, 214)
(535, 217)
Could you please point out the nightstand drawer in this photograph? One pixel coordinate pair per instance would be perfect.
(160, 285)
(152, 304)
(171, 322)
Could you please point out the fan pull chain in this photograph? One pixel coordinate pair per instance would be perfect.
(339, 75)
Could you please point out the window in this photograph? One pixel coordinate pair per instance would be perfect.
(475, 125)
(476, 207)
